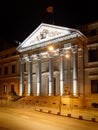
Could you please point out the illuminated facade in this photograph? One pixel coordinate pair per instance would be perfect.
(9, 71)
(69, 70)
(91, 63)
(53, 73)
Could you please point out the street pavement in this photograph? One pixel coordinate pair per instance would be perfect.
(29, 119)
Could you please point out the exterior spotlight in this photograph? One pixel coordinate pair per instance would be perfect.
(51, 48)
(67, 55)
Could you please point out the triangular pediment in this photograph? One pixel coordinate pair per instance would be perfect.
(44, 34)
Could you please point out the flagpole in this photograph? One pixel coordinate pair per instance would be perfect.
(53, 18)
(50, 10)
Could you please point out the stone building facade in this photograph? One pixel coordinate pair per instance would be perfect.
(91, 63)
(52, 71)
(70, 70)
(9, 71)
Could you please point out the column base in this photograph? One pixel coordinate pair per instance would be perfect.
(50, 94)
(38, 94)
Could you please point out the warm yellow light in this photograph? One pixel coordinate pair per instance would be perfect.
(51, 48)
(67, 55)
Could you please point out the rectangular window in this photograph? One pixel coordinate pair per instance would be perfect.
(6, 70)
(13, 69)
(93, 55)
(93, 32)
(5, 87)
(14, 53)
(94, 86)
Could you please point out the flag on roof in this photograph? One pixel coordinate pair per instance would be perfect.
(50, 9)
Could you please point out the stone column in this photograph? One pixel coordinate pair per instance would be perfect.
(81, 72)
(62, 71)
(38, 76)
(29, 76)
(75, 71)
(50, 92)
(21, 77)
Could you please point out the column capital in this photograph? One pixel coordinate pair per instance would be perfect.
(74, 48)
(50, 55)
(38, 57)
(61, 53)
(22, 61)
(80, 54)
(29, 59)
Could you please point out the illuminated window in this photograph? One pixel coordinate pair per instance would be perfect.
(94, 86)
(93, 55)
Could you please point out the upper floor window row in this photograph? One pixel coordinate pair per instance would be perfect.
(9, 55)
(6, 70)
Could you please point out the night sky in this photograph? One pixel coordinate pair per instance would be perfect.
(19, 18)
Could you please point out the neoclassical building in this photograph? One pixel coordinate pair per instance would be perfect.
(54, 59)
(9, 71)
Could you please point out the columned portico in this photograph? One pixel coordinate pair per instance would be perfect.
(74, 50)
(63, 39)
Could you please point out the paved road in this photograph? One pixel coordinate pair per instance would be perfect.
(27, 119)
